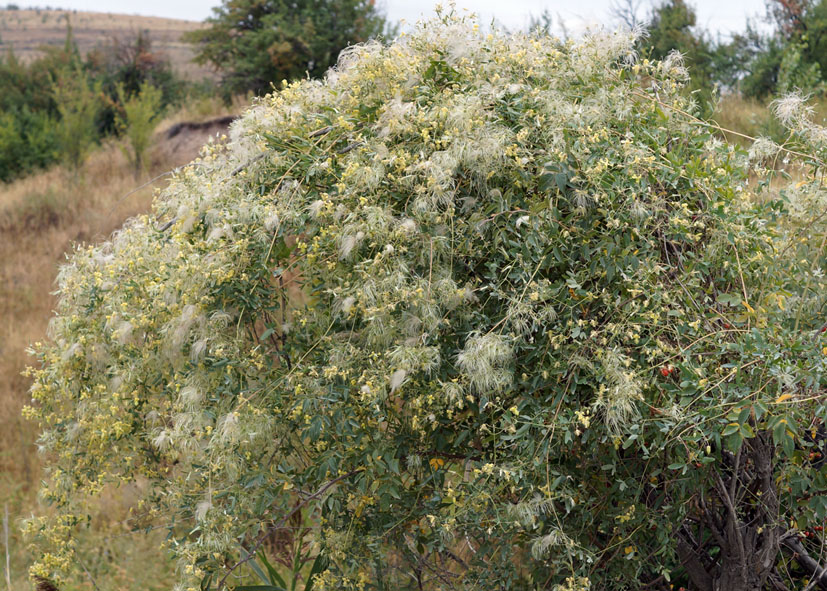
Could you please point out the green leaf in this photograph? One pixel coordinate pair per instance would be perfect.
(744, 415)
(629, 441)
(275, 577)
(788, 444)
(730, 429)
(319, 565)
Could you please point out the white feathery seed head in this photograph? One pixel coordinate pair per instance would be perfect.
(484, 361)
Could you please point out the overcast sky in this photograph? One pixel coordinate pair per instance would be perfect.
(724, 16)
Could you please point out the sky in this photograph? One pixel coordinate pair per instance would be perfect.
(718, 16)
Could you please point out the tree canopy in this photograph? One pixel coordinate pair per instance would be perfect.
(474, 311)
(258, 43)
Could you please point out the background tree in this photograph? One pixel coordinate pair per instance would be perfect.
(137, 117)
(130, 63)
(29, 108)
(627, 12)
(793, 56)
(259, 43)
(672, 27)
(78, 103)
(750, 62)
(35, 96)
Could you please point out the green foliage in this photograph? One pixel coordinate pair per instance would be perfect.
(33, 133)
(753, 61)
(258, 43)
(791, 57)
(137, 119)
(796, 74)
(131, 64)
(78, 104)
(803, 24)
(28, 110)
(486, 311)
(27, 142)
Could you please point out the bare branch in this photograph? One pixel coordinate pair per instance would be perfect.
(691, 561)
(817, 572)
(626, 11)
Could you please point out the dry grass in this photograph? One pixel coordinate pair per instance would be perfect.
(26, 31)
(754, 118)
(747, 116)
(42, 217)
(206, 107)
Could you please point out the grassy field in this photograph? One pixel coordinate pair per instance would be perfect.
(42, 218)
(754, 118)
(27, 31)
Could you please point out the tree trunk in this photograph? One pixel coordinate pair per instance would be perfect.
(740, 519)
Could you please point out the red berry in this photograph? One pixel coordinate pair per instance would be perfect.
(664, 371)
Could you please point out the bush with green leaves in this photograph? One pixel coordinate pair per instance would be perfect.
(27, 142)
(796, 75)
(130, 64)
(28, 112)
(475, 311)
(78, 103)
(137, 118)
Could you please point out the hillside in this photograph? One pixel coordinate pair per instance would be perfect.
(27, 31)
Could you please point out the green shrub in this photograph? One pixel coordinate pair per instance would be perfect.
(10, 146)
(137, 119)
(78, 103)
(27, 142)
(131, 64)
(796, 75)
(28, 113)
(488, 311)
(35, 97)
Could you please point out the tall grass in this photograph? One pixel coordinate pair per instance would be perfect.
(754, 118)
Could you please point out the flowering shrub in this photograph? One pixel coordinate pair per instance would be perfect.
(475, 311)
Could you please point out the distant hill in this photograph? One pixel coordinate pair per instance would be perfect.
(26, 31)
